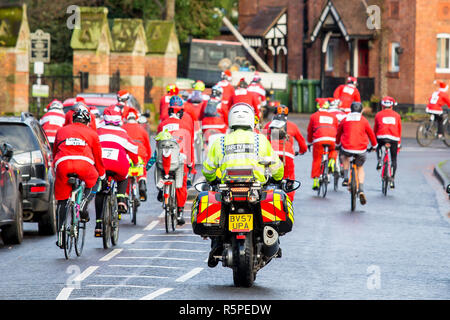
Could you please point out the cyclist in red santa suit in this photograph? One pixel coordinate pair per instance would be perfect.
(53, 120)
(256, 88)
(438, 100)
(242, 95)
(117, 148)
(347, 94)
(228, 92)
(76, 150)
(171, 90)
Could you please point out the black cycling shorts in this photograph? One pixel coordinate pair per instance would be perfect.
(360, 158)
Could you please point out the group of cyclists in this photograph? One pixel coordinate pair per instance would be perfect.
(109, 146)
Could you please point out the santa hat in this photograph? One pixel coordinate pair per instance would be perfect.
(352, 80)
(227, 75)
(123, 95)
(112, 115)
(442, 86)
(80, 99)
(256, 77)
(388, 102)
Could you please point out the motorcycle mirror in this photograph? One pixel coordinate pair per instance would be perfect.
(202, 186)
(291, 185)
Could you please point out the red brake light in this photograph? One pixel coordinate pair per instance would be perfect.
(38, 189)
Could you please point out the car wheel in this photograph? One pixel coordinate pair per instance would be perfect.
(13, 234)
(47, 221)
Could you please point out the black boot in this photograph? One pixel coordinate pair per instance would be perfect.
(180, 219)
(142, 190)
(216, 249)
(84, 213)
(160, 196)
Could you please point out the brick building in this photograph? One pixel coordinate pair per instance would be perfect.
(394, 47)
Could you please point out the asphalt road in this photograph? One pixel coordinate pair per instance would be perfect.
(395, 247)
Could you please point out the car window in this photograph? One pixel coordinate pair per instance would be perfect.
(20, 136)
(40, 134)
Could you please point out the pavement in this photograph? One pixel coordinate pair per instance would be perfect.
(442, 172)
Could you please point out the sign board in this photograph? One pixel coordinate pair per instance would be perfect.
(39, 67)
(40, 46)
(40, 90)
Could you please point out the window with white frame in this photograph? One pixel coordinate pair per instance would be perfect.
(329, 59)
(443, 53)
(395, 64)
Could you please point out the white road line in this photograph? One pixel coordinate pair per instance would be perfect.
(155, 294)
(86, 273)
(118, 286)
(162, 258)
(151, 225)
(133, 238)
(166, 249)
(143, 266)
(173, 241)
(162, 215)
(189, 275)
(98, 298)
(64, 294)
(172, 235)
(111, 255)
(130, 276)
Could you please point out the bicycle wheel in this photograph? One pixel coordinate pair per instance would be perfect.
(426, 133)
(106, 221)
(336, 180)
(168, 216)
(80, 237)
(174, 219)
(67, 231)
(134, 201)
(114, 222)
(324, 185)
(353, 190)
(447, 133)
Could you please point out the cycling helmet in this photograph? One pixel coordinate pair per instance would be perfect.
(112, 115)
(172, 89)
(123, 96)
(199, 86)
(81, 113)
(323, 103)
(388, 102)
(55, 104)
(176, 101)
(216, 91)
(356, 107)
(176, 106)
(241, 115)
(334, 104)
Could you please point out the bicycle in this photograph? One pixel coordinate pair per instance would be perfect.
(133, 200)
(338, 173)
(73, 229)
(324, 178)
(110, 213)
(354, 182)
(169, 204)
(427, 130)
(386, 170)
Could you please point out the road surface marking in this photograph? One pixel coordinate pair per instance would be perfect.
(130, 276)
(167, 249)
(119, 286)
(173, 241)
(86, 273)
(133, 238)
(162, 258)
(99, 298)
(111, 255)
(155, 294)
(151, 225)
(64, 294)
(172, 235)
(143, 266)
(189, 275)
(162, 215)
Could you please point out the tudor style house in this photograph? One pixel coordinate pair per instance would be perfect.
(394, 47)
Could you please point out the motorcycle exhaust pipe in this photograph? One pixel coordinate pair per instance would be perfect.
(270, 241)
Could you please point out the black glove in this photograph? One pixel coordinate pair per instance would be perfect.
(309, 147)
(215, 182)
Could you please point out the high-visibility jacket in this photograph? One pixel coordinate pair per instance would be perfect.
(242, 149)
(438, 99)
(51, 122)
(388, 125)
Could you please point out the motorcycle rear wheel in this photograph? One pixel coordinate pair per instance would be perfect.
(243, 270)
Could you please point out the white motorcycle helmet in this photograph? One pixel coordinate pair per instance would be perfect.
(241, 115)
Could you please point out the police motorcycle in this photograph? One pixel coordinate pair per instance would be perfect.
(244, 219)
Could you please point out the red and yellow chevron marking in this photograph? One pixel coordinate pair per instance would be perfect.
(209, 209)
(272, 208)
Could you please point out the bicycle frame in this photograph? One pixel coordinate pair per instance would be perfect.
(386, 156)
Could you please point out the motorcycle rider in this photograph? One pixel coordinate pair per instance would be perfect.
(281, 133)
(182, 132)
(117, 148)
(347, 94)
(388, 129)
(53, 120)
(76, 150)
(439, 99)
(322, 129)
(140, 136)
(241, 147)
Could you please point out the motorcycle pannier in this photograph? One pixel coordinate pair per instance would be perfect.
(206, 214)
(277, 210)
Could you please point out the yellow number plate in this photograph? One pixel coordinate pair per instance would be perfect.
(240, 222)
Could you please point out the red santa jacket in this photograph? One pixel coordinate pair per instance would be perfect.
(228, 92)
(322, 127)
(388, 125)
(286, 147)
(164, 107)
(347, 94)
(258, 90)
(339, 114)
(78, 142)
(117, 146)
(354, 134)
(438, 99)
(69, 119)
(51, 122)
(139, 136)
(242, 95)
(180, 131)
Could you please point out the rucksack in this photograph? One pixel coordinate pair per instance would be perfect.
(211, 109)
(278, 129)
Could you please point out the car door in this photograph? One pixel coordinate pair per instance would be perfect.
(7, 185)
(2, 187)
